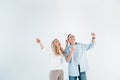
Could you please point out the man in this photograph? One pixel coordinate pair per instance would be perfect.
(77, 58)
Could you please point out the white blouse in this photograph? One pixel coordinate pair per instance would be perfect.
(56, 61)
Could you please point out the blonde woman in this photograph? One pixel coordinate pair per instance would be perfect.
(56, 59)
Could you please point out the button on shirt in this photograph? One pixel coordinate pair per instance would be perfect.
(78, 58)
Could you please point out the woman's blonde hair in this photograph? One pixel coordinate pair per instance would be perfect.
(55, 48)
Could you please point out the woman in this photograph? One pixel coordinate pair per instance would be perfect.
(77, 58)
(56, 57)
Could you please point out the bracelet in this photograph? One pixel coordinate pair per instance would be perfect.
(93, 37)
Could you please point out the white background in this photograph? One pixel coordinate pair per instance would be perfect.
(21, 21)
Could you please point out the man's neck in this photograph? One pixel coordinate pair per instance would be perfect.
(74, 43)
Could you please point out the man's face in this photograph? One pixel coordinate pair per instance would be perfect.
(71, 39)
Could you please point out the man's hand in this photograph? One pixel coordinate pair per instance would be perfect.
(93, 38)
(93, 35)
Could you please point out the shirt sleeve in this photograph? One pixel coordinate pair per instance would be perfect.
(87, 47)
(67, 52)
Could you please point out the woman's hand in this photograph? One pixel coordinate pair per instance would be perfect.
(37, 40)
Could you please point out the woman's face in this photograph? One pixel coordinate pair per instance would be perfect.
(57, 43)
(71, 39)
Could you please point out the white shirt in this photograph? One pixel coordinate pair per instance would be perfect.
(56, 61)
